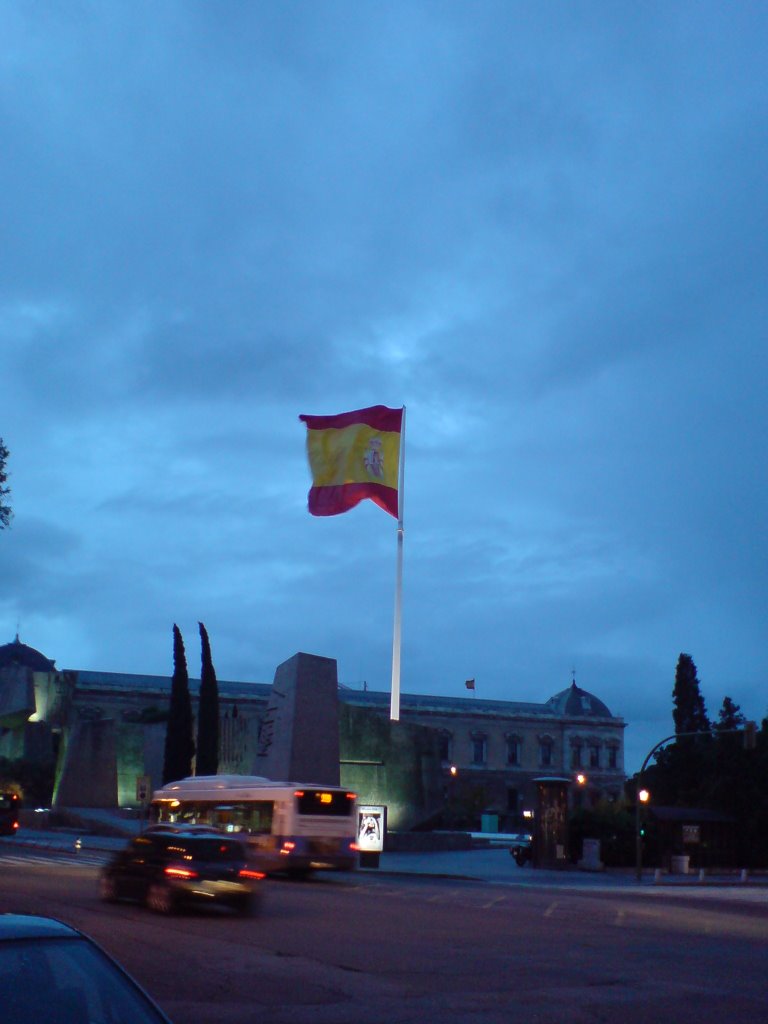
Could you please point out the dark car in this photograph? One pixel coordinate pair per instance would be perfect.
(52, 973)
(10, 806)
(175, 829)
(522, 848)
(166, 871)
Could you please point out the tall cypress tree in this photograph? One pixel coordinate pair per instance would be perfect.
(179, 743)
(207, 712)
(690, 714)
(689, 760)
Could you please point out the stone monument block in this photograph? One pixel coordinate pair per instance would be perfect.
(299, 734)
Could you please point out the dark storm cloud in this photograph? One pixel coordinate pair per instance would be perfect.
(541, 228)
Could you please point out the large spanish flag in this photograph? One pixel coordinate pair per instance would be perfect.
(353, 456)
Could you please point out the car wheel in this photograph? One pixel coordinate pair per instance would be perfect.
(108, 889)
(248, 906)
(299, 874)
(160, 899)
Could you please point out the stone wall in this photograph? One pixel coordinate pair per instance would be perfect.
(87, 771)
(392, 763)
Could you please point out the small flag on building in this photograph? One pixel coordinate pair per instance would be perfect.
(353, 456)
(470, 684)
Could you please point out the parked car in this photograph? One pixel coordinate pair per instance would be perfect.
(169, 870)
(522, 849)
(52, 973)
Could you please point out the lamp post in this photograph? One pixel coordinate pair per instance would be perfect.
(748, 731)
(642, 796)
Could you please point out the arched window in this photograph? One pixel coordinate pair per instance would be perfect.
(594, 753)
(445, 743)
(546, 751)
(514, 749)
(479, 747)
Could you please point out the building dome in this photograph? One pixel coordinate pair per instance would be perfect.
(577, 703)
(18, 653)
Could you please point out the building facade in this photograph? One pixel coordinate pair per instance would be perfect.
(491, 752)
(449, 760)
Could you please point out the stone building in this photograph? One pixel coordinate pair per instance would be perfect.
(446, 756)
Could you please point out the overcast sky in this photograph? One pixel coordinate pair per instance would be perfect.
(541, 227)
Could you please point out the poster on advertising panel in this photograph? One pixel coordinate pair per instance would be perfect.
(371, 827)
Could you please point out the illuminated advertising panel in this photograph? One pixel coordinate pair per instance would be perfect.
(371, 827)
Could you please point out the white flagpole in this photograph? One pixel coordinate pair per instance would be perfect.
(394, 709)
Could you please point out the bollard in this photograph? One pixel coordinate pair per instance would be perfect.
(702, 874)
(657, 876)
(743, 877)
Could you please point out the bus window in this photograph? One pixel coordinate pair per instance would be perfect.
(253, 816)
(320, 801)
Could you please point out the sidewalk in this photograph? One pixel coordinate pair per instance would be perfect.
(496, 865)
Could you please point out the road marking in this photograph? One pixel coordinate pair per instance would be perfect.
(551, 909)
(499, 899)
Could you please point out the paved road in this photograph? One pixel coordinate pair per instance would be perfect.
(485, 864)
(407, 948)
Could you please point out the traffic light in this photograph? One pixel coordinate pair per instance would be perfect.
(750, 735)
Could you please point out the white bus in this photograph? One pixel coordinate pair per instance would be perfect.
(290, 827)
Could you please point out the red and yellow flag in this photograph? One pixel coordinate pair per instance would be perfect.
(353, 456)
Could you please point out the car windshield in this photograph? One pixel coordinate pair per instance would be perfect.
(67, 981)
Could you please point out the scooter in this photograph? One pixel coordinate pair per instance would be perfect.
(522, 854)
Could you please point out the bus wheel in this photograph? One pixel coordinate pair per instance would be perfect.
(159, 899)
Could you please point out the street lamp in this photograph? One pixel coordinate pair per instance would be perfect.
(643, 796)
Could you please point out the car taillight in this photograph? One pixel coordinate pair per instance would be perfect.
(287, 847)
(354, 847)
(176, 872)
(15, 824)
(248, 873)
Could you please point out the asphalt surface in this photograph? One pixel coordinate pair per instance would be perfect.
(487, 864)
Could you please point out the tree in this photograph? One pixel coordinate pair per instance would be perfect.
(179, 744)
(683, 769)
(730, 716)
(715, 771)
(690, 714)
(207, 712)
(5, 510)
